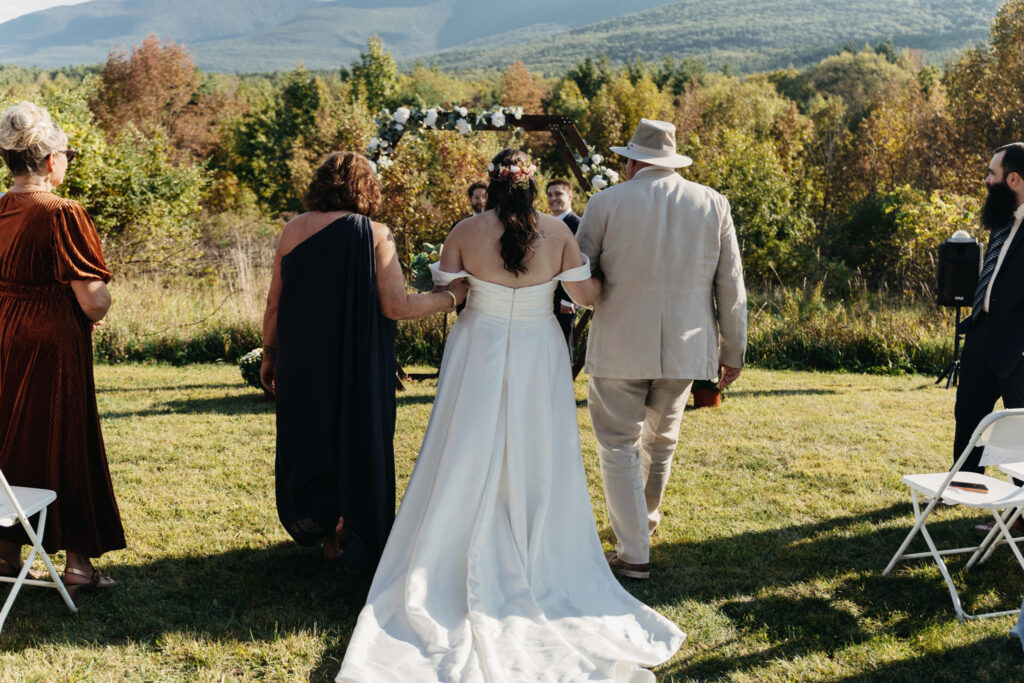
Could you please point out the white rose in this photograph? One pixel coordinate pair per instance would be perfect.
(401, 115)
(597, 158)
(374, 144)
(463, 111)
(399, 127)
(585, 168)
(431, 118)
(462, 125)
(385, 162)
(599, 183)
(384, 142)
(612, 175)
(518, 113)
(490, 168)
(497, 119)
(514, 169)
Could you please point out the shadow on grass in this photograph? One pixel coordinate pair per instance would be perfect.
(245, 595)
(165, 387)
(242, 404)
(407, 399)
(761, 393)
(842, 600)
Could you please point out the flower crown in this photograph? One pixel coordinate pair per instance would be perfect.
(517, 175)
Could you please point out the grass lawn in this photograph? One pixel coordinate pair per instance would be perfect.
(784, 507)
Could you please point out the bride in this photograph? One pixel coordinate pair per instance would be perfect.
(494, 570)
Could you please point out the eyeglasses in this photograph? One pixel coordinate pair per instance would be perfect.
(70, 154)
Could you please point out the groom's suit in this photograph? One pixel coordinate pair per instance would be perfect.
(673, 307)
(566, 320)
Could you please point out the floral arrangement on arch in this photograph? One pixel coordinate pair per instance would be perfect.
(593, 165)
(391, 126)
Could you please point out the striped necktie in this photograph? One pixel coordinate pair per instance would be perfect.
(995, 245)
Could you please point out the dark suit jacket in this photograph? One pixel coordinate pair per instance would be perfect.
(566, 320)
(1006, 309)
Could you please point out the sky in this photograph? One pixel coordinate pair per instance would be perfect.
(15, 8)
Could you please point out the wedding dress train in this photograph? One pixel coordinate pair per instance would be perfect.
(494, 571)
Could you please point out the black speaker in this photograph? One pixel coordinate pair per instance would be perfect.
(959, 267)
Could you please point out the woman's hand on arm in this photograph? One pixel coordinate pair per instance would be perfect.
(93, 297)
(585, 292)
(395, 301)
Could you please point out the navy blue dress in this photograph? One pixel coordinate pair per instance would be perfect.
(335, 388)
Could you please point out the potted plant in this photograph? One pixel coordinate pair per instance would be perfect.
(706, 393)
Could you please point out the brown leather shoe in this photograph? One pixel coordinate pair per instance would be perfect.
(641, 572)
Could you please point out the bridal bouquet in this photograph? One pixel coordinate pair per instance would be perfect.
(419, 267)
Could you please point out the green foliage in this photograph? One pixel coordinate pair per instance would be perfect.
(145, 208)
(376, 75)
(803, 330)
(267, 143)
(892, 239)
(590, 75)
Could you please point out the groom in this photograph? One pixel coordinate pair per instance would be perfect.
(673, 310)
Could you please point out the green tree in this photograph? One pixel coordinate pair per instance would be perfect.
(590, 75)
(375, 75)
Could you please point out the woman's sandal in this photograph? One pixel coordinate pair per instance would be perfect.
(11, 570)
(96, 579)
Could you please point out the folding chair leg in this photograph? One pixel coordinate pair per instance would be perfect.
(918, 526)
(54, 576)
(989, 543)
(945, 574)
(36, 540)
(1009, 539)
(1011, 517)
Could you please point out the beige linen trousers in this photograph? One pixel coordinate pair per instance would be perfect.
(673, 307)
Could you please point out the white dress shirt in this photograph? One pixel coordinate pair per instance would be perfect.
(1017, 215)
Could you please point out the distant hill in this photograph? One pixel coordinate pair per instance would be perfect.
(463, 35)
(263, 35)
(749, 35)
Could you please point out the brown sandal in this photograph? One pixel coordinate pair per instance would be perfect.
(96, 579)
(11, 570)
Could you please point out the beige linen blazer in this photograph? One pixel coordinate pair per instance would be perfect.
(673, 304)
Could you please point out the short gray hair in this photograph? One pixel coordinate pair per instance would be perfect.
(28, 136)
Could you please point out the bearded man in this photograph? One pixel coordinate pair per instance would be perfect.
(991, 367)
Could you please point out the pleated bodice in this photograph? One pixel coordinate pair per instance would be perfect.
(512, 303)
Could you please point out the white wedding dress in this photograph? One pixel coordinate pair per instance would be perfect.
(494, 571)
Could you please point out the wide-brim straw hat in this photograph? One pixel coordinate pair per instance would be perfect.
(654, 142)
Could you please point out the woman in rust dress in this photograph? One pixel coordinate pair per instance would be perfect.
(52, 291)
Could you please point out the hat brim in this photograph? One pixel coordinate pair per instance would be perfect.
(670, 161)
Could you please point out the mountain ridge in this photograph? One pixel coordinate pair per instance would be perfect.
(464, 35)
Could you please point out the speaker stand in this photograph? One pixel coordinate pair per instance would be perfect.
(952, 372)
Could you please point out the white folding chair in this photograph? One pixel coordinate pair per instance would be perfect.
(17, 504)
(1002, 435)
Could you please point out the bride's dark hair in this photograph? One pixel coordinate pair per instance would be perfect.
(511, 195)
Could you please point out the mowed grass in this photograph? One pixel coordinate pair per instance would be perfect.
(783, 508)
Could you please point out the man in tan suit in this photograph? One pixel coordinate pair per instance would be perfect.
(673, 310)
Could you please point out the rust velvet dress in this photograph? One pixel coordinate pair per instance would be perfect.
(49, 424)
